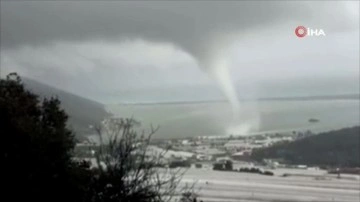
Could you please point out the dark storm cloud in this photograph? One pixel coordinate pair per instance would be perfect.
(186, 24)
(97, 43)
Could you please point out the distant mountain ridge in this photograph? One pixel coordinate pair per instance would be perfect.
(295, 98)
(82, 111)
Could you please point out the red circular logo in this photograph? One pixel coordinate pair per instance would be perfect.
(300, 31)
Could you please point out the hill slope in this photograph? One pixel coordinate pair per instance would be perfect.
(334, 148)
(82, 111)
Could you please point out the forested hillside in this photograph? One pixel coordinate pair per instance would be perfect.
(334, 148)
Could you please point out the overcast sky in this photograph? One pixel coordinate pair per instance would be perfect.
(162, 51)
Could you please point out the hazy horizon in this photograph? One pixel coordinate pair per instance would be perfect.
(215, 118)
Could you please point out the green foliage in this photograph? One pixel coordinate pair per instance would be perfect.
(334, 148)
(226, 165)
(180, 164)
(36, 147)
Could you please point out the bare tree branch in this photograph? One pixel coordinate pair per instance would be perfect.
(132, 171)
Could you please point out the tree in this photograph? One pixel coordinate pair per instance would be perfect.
(228, 165)
(128, 167)
(36, 146)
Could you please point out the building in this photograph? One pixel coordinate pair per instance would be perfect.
(242, 156)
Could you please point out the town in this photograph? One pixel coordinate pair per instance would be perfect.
(208, 151)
